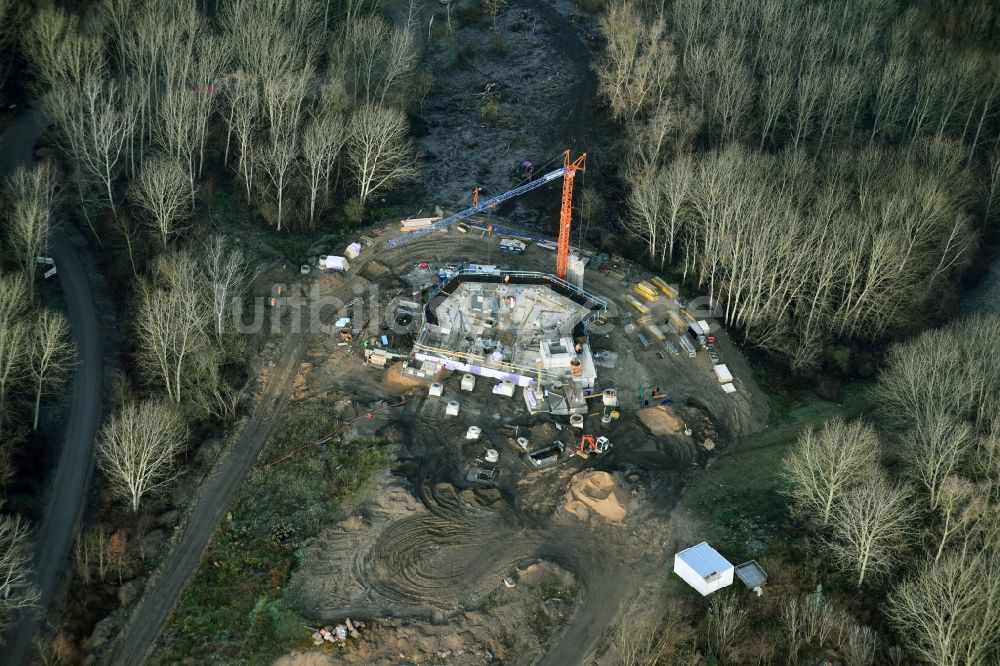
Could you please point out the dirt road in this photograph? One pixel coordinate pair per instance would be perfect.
(54, 537)
(216, 496)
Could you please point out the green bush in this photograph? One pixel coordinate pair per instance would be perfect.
(354, 210)
(490, 111)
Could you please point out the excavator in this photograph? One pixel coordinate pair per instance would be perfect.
(567, 172)
(593, 446)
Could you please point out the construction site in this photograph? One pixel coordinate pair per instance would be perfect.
(543, 413)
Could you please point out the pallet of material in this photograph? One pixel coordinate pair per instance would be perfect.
(417, 223)
(647, 291)
(634, 302)
(677, 321)
(667, 290)
(655, 332)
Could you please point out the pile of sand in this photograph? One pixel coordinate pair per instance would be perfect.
(597, 493)
(661, 420)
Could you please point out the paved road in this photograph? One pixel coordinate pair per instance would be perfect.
(217, 494)
(68, 489)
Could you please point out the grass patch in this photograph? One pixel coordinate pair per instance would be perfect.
(741, 493)
(234, 610)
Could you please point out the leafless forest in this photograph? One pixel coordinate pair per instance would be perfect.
(767, 131)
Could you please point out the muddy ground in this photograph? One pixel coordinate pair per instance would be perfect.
(427, 557)
(522, 92)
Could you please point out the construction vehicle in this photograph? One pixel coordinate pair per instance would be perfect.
(593, 446)
(567, 172)
(512, 246)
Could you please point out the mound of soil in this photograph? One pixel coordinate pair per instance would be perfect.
(597, 493)
(661, 420)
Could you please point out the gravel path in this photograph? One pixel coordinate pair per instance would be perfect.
(217, 494)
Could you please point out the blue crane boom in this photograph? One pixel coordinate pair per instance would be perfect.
(469, 212)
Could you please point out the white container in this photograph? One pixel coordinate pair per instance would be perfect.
(703, 568)
(576, 421)
(473, 432)
(505, 388)
(468, 382)
(492, 455)
(334, 263)
(452, 408)
(688, 346)
(610, 398)
(523, 443)
(436, 389)
(723, 374)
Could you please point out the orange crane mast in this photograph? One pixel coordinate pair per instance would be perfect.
(566, 214)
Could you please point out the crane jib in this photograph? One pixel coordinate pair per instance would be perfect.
(469, 212)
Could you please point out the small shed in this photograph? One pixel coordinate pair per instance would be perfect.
(703, 568)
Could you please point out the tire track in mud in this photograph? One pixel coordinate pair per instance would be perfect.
(448, 553)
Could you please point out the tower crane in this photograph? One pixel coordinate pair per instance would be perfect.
(567, 172)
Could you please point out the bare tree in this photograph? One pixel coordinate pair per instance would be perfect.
(161, 191)
(638, 62)
(170, 323)
(378, 150)
(934, 450)
(870, 523)
(947, 614)
(245, 121)
(321, 143)
(727, 620)
(15, 296)
(17, 589)
(962, 506)
(137, 446)
(93, 129)
(31, 196)
(178, 131)
(13, 347)
(49, 355)
(278, 161)
(826, 463)
(229, 274)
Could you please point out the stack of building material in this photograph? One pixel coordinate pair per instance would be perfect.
(417, 223)
(667, 290)
(337, 263)
(647, 291)
(353, 251)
